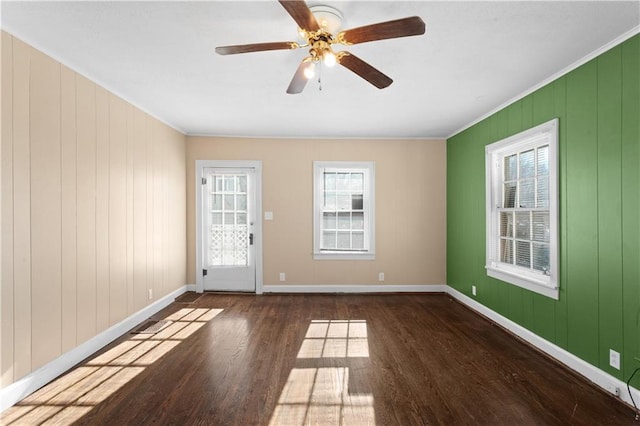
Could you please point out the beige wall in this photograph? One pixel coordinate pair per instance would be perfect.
(93, 209)
(410, 207)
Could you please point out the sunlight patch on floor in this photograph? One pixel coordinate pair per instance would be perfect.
(320, 395)
(68, 398)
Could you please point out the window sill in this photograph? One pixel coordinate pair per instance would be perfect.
(338, 255)
(537, 286)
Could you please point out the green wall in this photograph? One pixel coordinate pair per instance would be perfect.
(599, 308)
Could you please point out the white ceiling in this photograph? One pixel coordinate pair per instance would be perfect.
(474, 57)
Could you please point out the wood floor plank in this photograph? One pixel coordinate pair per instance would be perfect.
(324, 359)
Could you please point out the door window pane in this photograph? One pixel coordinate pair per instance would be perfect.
(229, 183)
(229, 232)
(241, 201)
(216, 203)
(228, 202)
(216, 218)
(242, 184)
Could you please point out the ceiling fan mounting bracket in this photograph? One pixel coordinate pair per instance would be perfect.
(329, 18)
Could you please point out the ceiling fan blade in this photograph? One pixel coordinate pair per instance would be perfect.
(256, 47)
(384, 30)
(299, 80)
(300, 13)
(364, 70)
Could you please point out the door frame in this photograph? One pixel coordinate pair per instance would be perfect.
(257, 227)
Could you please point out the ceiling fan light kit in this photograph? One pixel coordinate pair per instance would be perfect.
(317, 26)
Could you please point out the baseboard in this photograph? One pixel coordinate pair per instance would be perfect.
(351, 288)
(190, 287)
(592, 373)
(35, 380)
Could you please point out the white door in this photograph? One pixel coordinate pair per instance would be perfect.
(229, 213)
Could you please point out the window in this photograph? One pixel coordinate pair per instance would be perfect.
(522, 209)
(343, 210)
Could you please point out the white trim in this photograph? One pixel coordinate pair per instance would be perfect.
(368, 168)
(608, 46)
(257, 227)
(354, 288)
(592, 373)
(543, 134)
(43, 375)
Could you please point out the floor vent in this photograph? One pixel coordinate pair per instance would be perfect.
(188, 297)
(151, 327)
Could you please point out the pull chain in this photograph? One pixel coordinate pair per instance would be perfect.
(320, 76)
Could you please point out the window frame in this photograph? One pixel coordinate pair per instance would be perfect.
(368, 169)
(538, 282)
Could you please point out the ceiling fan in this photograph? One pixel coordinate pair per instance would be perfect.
(320, 38)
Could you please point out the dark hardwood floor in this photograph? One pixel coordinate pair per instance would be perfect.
(320, 359)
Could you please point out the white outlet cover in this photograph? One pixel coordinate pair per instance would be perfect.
(268, 215)
(614, 359)
(282, 276)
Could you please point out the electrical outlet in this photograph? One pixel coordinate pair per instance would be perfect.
(283, 277)
(614, 359)
(150, 293)
(381, 276)
(473, 290)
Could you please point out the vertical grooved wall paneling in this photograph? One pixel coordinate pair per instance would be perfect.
(77, 209)
(69, 208)
(46, 216)
(6, 203)
(129, 209)
(597, 105)
(117, 209)
(103, 277)
(631, 204)
(21, 62)
(582, 208)
(609, 204)
(86, 228)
